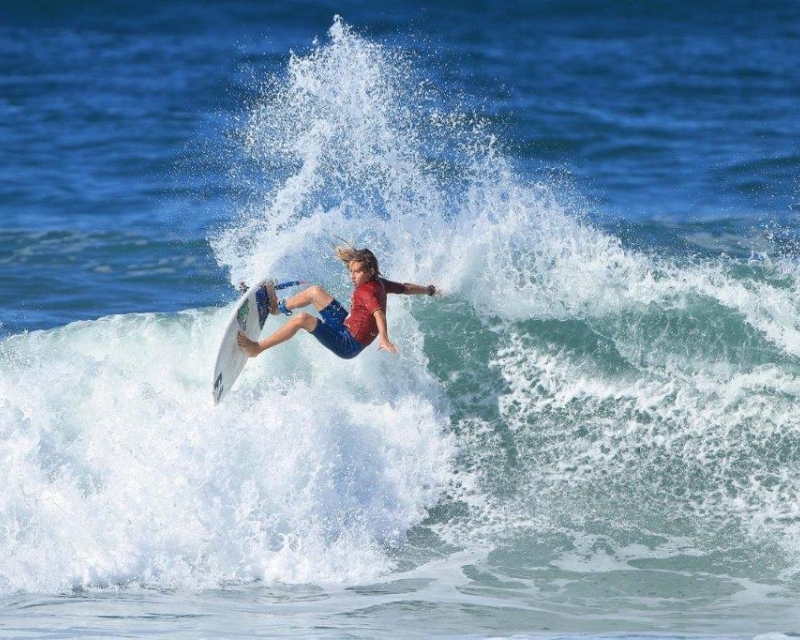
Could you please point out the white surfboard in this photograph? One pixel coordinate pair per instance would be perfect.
(248, 319)
(249, 315)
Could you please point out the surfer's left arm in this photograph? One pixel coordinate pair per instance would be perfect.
(383, 332)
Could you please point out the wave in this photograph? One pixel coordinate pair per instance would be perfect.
(568, 389)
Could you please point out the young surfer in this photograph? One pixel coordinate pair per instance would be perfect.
(345, 335)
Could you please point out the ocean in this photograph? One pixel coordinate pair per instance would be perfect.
(593, 433)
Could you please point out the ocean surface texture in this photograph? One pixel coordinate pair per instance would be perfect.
(594, 433)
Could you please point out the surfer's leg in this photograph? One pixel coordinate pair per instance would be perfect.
(315, 295)
(286, 332)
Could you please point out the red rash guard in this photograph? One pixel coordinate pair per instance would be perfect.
(367, 299)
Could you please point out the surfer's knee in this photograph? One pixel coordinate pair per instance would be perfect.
(316, 291)
(305, 320)
(319, 296)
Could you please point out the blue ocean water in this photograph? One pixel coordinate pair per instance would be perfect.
(593, 432)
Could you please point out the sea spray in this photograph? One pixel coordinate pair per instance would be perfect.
(350, 143)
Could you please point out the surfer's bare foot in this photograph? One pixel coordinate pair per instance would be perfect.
(250, 348)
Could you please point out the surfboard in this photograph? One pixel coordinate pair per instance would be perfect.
(249, 315)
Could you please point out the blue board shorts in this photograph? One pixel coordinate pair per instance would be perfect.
(332, 333)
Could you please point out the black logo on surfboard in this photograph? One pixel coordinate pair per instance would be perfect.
(218, 388)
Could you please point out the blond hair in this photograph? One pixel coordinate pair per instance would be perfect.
(348, 253)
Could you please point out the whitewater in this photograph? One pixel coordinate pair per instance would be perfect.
(578, 436)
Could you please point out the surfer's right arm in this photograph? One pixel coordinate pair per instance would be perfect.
(411, 289)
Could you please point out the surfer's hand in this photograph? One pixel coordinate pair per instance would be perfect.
(385, 345)
(251, 349)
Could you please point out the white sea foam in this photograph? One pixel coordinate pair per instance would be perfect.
(704, 451)
(117, 470)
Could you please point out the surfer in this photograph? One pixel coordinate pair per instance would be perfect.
(345, 335)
